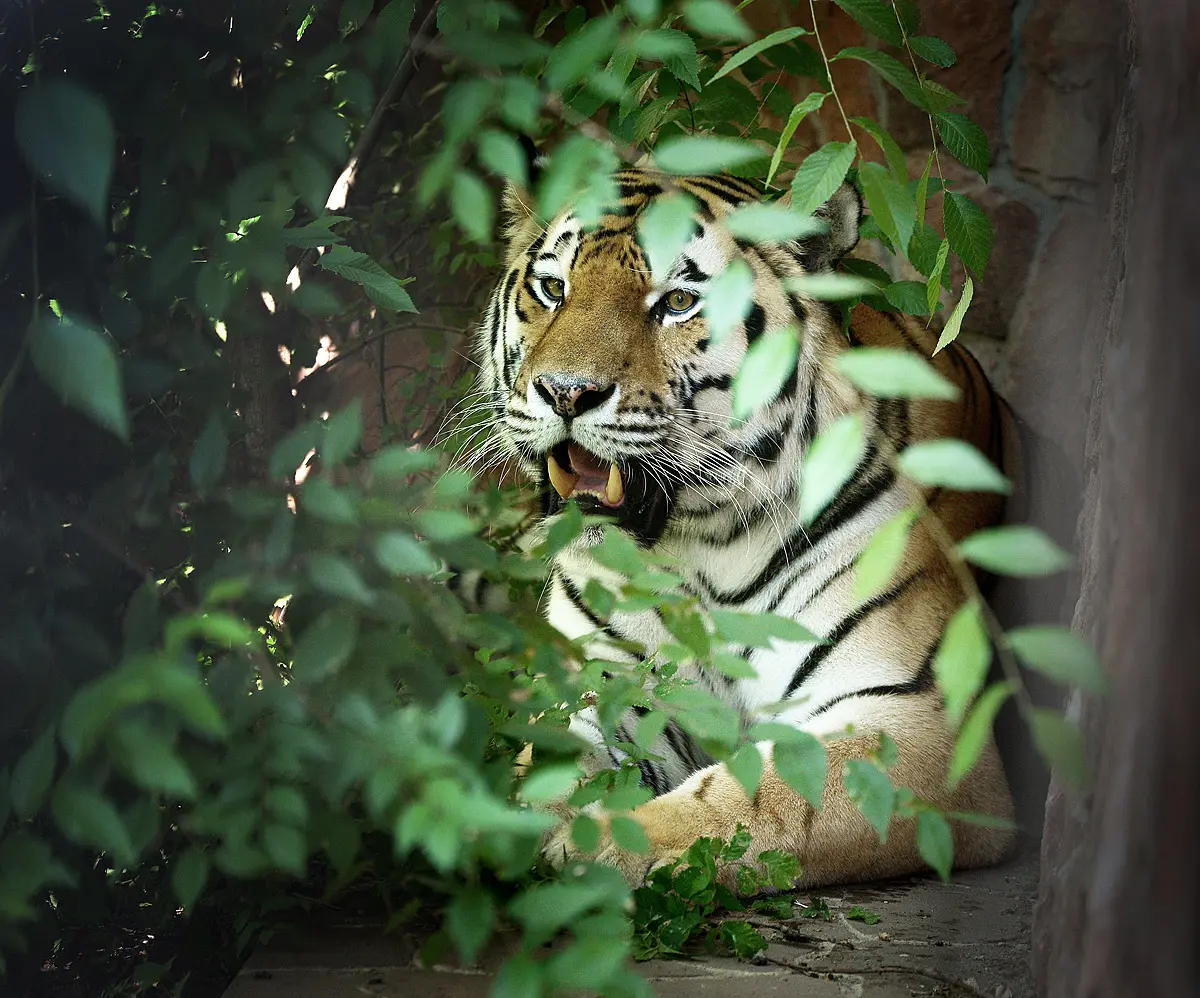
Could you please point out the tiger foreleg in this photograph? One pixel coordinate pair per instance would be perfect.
(834, 844)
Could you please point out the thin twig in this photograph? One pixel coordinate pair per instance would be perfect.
(828, 70)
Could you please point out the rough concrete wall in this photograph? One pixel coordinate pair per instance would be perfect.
(1118, 912)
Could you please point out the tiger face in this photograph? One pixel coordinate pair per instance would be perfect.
(608, 384)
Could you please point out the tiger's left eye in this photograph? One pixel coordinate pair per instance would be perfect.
(553, 288)
(679, 301)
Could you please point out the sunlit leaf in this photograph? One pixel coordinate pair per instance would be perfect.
(716, 19)
(821, 173)
(798, 113)
(976, 730)
(886, 372)
(729, 297)
(699, 154)
(1060, 654)
(757, 222)
(799, 760)
(954, 464)
(889, 201)
(882, 555)
(768, 364)
(831, 459)
(742, 56)
(961, 662)
(664, 228)
(871, 791)
(968, 229)
(1019, 550)
(935, 842)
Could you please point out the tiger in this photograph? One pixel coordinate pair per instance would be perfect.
(610, 391)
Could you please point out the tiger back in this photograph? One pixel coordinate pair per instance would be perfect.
(610, 390)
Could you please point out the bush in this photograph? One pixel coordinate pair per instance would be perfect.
(223, 679)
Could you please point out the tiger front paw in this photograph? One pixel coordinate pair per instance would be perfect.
(560, 849)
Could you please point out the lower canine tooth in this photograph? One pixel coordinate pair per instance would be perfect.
(563, 481)
(614, 491)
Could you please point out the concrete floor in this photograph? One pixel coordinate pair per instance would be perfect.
(969, 937)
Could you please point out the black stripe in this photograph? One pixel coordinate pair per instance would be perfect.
(843, 628)
(756, 323)
(769, 446)
(922, 682)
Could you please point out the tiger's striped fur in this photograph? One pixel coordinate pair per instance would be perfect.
(722, 500)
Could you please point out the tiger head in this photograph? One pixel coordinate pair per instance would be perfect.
(606, 384)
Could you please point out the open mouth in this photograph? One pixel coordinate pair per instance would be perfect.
(638, 501)
(576, 472)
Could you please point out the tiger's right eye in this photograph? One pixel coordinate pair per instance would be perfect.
(553, 288)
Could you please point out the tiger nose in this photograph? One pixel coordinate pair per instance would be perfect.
(570, 395)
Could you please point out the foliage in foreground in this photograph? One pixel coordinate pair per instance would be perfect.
(172, 734)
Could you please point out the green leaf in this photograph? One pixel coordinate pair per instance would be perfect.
(319, 497)
(664, 228)
(882, 555)
(700, 154)
(891, 204)
(821, 173)
(470, 918)
(758, 222)
(954, 464)
(871, 792)
(927, 95)
(87, 817)
(78, 362)
(519, 977)
(888, 372)
(769, 362)
(783, 868)
(922, 193)
(33, 774)
(806, 107)
(800, 762)
(189, 874)
(830, 287)
(933, 50)
(968, 229)
(859, 914)
(877, 16)
(208, 456)
(585, 833)
(746, 765)
(66, 135)
(502, 155)
(935, 842)
(954, 322)
(966, 141)
(649, 727)
(343, 431)
(1060, 744)
(909, 297)
(325, 646)
(754, 48)
(399, 553)
(831, 459)
(287, 803)
(550, 782)
(353, 15)
(716, 19)
(581, 51)
(1019, 550)
(380, 286)
(727, 303)
(758, 629)
(742, 938)
(471, 203)
(891, 149)
(961, 662)
(628, 834)
(286, 847)
(976, 731)
(1059, 653)
(151, 760)
(933, 291)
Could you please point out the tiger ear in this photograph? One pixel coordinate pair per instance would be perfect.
(842, 215)
(517, 204)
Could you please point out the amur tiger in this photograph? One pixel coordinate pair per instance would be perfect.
(610, 391)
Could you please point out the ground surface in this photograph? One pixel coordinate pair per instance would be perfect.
(970, 937)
